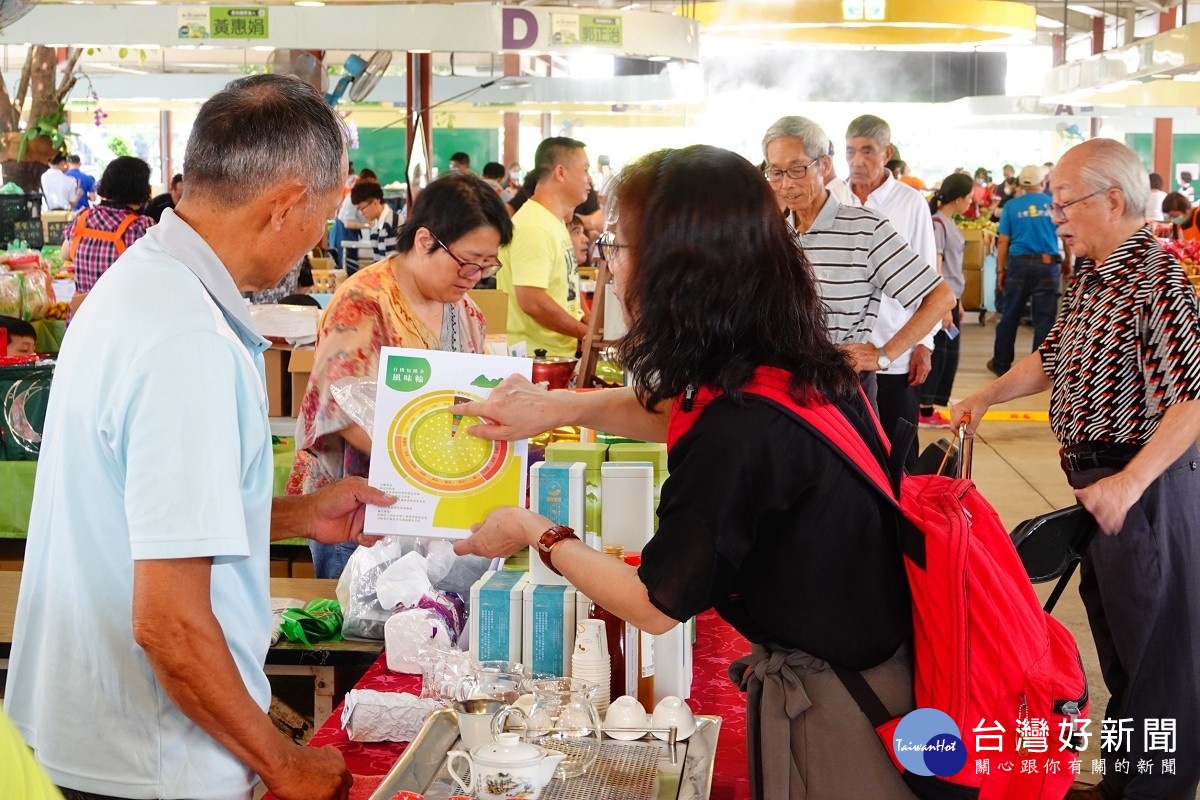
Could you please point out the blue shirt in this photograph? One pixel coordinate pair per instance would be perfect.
(87, 185)
(156, 446)
(1026, 222)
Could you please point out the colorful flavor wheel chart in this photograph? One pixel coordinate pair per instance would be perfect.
(435, 453)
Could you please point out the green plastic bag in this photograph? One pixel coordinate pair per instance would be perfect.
(319, 621)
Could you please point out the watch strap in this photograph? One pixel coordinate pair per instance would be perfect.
(549, 540)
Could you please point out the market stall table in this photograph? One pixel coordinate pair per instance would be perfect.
(717, 646)
(321, 662)
(17, 479)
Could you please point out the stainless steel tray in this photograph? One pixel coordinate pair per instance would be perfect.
(639, 770)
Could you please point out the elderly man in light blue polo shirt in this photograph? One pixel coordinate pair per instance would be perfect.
(143, 619)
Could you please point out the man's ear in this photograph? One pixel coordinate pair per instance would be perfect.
(891, 154)
(283, 201)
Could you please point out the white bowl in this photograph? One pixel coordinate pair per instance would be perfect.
(671, 711)
(626, 712)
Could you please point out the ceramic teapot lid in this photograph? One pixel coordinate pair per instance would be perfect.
(508, 750)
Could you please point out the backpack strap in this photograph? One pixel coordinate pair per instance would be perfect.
(824, 419)
(115, 237)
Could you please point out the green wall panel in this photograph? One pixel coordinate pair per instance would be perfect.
(1185, 149)
(383, 149)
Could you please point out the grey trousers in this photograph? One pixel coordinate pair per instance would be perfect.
(807, 739)
(1141, 589)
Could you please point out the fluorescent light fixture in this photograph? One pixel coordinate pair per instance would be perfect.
(659, 59)
(308, 4)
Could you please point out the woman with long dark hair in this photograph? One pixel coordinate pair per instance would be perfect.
(761, 518)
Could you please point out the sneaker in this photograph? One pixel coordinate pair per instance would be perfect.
(934, 419)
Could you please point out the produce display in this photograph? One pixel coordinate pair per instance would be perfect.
(981, 224)
(26, 282)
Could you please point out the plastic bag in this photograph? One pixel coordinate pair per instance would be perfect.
(364, 616)
(36, 296)
(406, 632)
(11, 285)
(356, 396)
(319, 621)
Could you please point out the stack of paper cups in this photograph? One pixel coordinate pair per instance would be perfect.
(589, 660)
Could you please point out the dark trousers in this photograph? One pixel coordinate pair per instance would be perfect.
(1027, 279)
(1143, 603)
(935, 391)
(899, 401)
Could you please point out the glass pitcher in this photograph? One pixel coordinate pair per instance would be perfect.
(497, 680)
(562, 718)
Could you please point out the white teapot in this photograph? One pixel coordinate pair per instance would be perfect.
(506, 769)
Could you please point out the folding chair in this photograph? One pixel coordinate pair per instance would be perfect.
(1051, 546)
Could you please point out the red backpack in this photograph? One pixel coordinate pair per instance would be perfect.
(984, 652)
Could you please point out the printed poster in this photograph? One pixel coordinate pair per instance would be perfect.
(445, 479)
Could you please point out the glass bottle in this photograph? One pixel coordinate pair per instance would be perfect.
(639, 650)
(614, 633)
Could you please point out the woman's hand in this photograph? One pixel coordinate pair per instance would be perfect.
(505, 531)
(518, 408)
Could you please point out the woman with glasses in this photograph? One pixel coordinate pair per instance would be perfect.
(415, 298)
(714, 288)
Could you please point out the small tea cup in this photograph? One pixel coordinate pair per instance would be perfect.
(673, 712)
(625, 719)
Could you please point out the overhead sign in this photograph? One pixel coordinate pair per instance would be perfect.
(585, 29)
(224, 22)
(365, 27)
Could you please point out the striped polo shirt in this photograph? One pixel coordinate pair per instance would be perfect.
(858, 257)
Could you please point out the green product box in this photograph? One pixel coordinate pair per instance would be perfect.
(654, 453)
(591, 456)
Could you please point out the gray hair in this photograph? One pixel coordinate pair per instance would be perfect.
(1110, 163)
(816, 142)
(870, 127)
(260, 131)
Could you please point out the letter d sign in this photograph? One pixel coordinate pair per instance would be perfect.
(510, 19)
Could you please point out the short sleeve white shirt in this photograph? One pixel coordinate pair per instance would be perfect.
(156, 446)
(908, 212)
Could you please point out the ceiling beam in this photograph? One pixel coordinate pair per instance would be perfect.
(1076, 22)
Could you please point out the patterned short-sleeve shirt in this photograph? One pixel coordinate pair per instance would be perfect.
(1125, 348)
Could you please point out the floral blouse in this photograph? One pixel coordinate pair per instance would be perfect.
(368, 312)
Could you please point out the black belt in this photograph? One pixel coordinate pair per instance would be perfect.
(1097, 455)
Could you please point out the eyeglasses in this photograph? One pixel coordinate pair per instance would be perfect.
(363, 206)
(608, 246)
(1059, 210)
(469, 269)
(795, 173)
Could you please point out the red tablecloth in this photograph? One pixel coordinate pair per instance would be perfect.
(717, 645)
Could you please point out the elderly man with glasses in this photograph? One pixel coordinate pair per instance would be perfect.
(1122, 363)
(857, 255)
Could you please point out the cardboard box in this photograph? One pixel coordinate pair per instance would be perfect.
(974, 249)
(494, 305)
(300, 367)
(548, 630)
(972, 298)
(592, 456)
(280, 568)
(279, 389)
(556, 491)
(497, 616)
